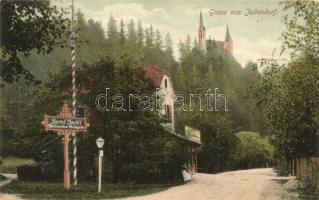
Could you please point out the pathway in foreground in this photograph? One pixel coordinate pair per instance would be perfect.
(9, 177)
(254, 184)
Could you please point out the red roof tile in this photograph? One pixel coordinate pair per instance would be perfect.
(155, 74)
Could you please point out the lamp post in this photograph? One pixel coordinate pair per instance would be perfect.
(100, 143)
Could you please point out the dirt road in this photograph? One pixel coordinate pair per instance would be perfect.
(255, 184)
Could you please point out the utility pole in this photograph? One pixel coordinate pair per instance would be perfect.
(73, 63)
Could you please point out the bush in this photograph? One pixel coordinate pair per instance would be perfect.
(29, 173)
(253, 151)
(283, 167)
(309, 189)
(50, 171)
(161, 165)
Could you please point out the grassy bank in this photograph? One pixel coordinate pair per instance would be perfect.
(9, 165)
(54, 190)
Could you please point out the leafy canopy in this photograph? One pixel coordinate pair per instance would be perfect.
(26, 26)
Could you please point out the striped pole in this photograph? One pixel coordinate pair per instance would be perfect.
(73, 61)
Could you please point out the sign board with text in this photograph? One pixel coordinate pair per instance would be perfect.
(56, 123)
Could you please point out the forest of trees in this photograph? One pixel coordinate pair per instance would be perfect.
(133, 45)
(113, 56)
(288, 94)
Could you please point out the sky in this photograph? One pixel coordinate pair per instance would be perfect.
(254, 36)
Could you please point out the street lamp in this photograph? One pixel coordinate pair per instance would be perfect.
(100, 144)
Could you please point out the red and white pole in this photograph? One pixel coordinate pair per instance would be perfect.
(73, 62)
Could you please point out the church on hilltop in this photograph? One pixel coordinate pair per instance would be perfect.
(226, 45)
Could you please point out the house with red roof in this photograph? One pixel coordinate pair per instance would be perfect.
(165, 91)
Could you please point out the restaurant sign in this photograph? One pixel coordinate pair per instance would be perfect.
(55, 123)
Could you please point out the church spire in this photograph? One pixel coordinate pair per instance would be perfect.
(201, 19)
(228, 44)
(201, 34)
(228, 37)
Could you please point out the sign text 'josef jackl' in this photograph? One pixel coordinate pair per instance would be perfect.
(55, 123)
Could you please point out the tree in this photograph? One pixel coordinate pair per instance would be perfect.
(21, 23)
(158, 41)
(288, 95)
(122, 33)
(131, 33)
(288, 98)
(302, 34)
(218, 138)
(112, 33)
(195, 76)
(151, 35)
(137, 146)
(168, 45)
(169, 59)
(188, 45)
(140, 34)
(148, 38)
(253, 151)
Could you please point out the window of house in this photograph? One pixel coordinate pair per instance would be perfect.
(168, 112)
(165, 83)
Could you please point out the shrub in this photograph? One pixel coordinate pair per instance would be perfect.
(309, 189)
(160, 165)
(50, 171)
(312, 186)
(283, 167)
(29, 173)
(253, 151)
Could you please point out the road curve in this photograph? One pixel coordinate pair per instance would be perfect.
(254, 184)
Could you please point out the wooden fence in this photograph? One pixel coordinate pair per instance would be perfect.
(307, 168)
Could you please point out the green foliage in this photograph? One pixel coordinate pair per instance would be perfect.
(283, 167)
(85, 190)
(10, 164)
(288, 94)
(21, 23)
(137, 147)
(129, 47)
(312, 186)
(91, 44)
(29, 173)
(309, 190)
(218, 139)
(288, 98)
(218, 69)
(199, 72)
(253, 151)
(301, 36)
(218, 148)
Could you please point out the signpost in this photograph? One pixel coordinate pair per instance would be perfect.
(65, 124)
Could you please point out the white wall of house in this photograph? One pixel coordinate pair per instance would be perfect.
(166, 91)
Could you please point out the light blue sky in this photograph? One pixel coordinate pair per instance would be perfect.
(254, 36)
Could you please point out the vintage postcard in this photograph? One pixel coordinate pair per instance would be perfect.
(159, 99)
